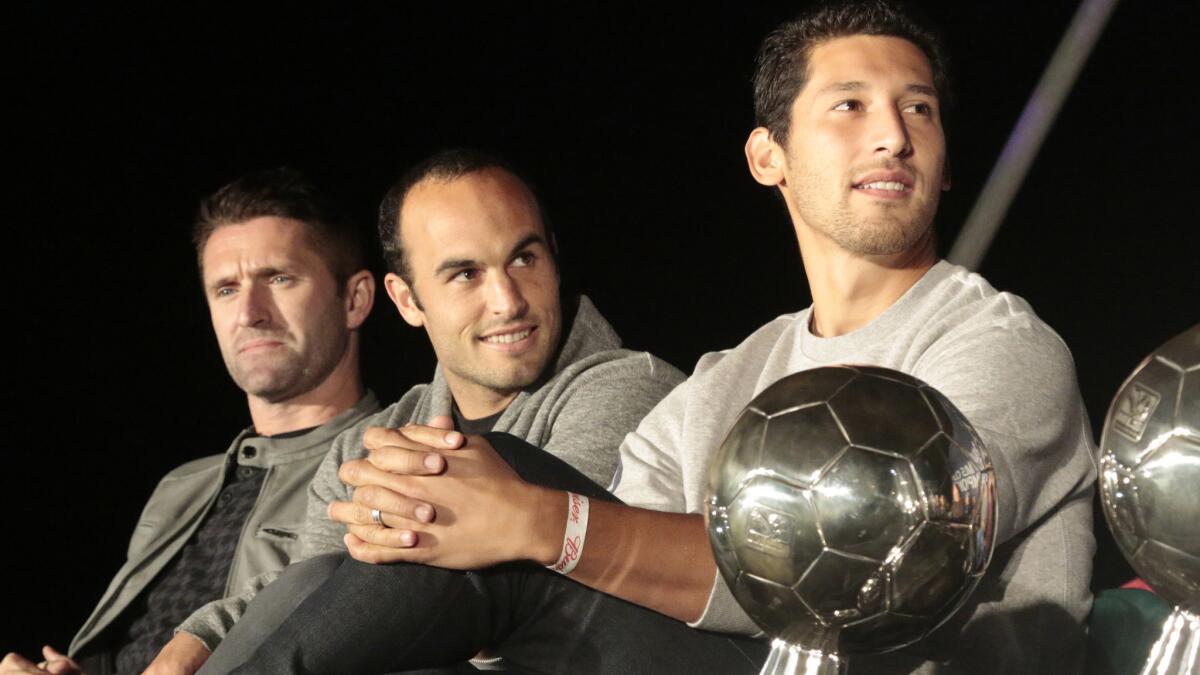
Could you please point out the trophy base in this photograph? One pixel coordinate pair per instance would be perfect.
(1177, 651)
(790, 659)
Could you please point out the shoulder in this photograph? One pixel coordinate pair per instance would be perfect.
(993, 356)
(395, 415)
(618, 365)
(984, 326)
(755, 348)
(723, 381)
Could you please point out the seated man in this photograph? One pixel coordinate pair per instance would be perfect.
(287, 289)
(849, 101)
(473, 262)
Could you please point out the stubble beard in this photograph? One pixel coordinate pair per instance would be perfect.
(500, 382)
(894, 229)
(888, 234)
(507, 381)
(289, 374)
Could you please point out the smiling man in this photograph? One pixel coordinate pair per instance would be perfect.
(849, 100)
(473, 263)
(284, 277)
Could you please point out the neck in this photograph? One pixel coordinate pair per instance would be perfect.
(337, 393)
(475, 401)
(850, 290)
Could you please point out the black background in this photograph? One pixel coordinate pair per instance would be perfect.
(631, 122)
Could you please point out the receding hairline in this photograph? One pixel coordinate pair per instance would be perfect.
(446, 178)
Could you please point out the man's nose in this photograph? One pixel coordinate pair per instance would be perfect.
(889, 133)
(505, 298)
(254, 307)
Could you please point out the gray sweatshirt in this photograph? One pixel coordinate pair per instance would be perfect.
(595, 395)
(1012, 377)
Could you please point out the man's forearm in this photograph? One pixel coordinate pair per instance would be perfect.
(658, 560)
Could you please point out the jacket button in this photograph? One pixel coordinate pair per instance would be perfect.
(249, 451)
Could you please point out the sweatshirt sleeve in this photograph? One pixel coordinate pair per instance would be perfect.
(651, 476)
(601, 406)
(1016, 384)
(212, 622)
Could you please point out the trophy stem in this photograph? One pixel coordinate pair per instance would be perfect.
(789, 659)
(1177, 651)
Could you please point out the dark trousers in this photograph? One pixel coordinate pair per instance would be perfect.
(382, 618)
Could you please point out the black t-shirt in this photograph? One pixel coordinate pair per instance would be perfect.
(474, 427)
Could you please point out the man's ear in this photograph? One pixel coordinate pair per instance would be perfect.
(765, 157)
(404, 299)
(360, 297)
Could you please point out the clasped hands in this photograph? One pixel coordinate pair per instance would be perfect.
(445, 499)
(55, 663)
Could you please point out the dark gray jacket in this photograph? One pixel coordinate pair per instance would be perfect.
(270, 535)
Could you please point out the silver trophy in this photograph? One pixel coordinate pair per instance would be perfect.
(851, 509)
(1150, 488)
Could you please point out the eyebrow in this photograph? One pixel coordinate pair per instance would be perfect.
(453, 264)
(260, 273)
(858, 85)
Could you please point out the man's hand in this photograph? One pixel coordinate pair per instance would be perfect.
(55, 663)
(472, 511)
(410, 451)
(477, 512)
(183, 655)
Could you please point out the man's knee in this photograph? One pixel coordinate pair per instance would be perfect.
(305, 576)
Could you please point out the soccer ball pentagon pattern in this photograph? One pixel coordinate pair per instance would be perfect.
(1150, 470)
(851, 509)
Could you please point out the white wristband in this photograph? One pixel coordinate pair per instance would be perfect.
(576, 533)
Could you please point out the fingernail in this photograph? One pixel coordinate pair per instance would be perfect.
(407, 538)
(424, 513)
(454, 438)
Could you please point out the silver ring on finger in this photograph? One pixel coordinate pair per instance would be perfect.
(377, 517)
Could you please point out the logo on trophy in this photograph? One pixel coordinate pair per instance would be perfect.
(1132, 410)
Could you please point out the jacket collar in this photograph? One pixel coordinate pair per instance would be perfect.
(250, 449)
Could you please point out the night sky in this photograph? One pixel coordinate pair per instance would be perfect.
(630, 122)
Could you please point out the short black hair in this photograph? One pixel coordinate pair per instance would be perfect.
(445, 166)
(781, 68)
(285, 192)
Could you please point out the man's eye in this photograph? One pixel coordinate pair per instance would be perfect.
(281, 279)
(848, 105)
(524, 259)
(465, 275)
(224, 292)
(920, 109)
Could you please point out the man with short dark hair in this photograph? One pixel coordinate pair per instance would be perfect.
(287, 291)
(473, 263)
(849, 98)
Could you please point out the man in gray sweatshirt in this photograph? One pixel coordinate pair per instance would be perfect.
(849, 101)
(473, 263)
